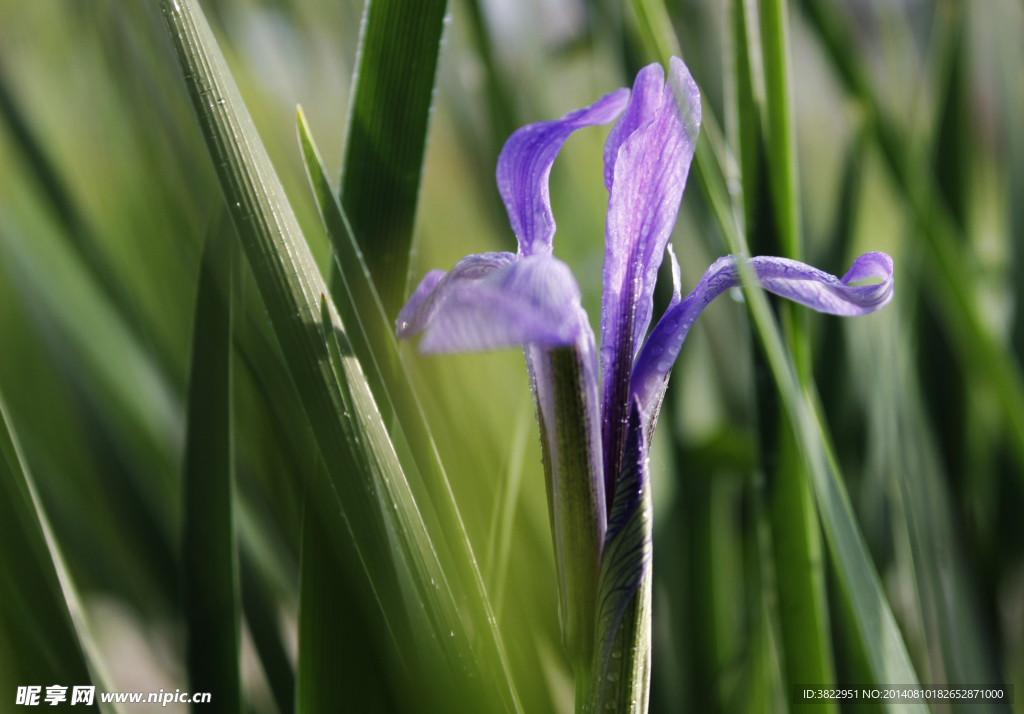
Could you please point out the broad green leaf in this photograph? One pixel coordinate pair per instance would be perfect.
(886, 651)
(387, 133)
(372, 495)
(374, 343)
(209, 555)
(44, 636)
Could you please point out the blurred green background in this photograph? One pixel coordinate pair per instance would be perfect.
(107, 194)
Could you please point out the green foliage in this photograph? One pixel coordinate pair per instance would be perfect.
(209, 554)
(388, 512)
(387, 135)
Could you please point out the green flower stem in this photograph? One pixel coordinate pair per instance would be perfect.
(577, 518)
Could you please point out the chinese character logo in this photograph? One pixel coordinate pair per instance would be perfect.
(83, 695)
(28, 696)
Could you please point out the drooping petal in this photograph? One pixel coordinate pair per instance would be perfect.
(418, 313)
(788, 278)
(495, 300)
(650, 169)
(524, 166)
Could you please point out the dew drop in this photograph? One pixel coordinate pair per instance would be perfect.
(657, 350)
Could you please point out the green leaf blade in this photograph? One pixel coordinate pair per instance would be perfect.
(886, 651)
(44, 636)
(387, 133)
(364, 477)
(373, 340)
(209, 555)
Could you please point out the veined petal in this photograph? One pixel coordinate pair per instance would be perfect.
(650, 169)
(495, 300)
(788, 278)
(524, 166)
(644, 102)
(437, 286)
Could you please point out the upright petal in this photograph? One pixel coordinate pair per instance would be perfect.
(644, 102)
(650, 169)
(788, 278)
(525, 165)
(495, 300)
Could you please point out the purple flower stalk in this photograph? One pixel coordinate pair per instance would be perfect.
(530, 298)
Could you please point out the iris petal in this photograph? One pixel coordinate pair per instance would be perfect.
(524, 166)
(496, 300)
(437, 286)
(790, 279)
(651, 164)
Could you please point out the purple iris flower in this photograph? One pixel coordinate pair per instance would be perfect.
(591, 407)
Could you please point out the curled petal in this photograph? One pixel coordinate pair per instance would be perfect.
(651, 164)
(495, 300)
(788, 278)
(524, 166)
